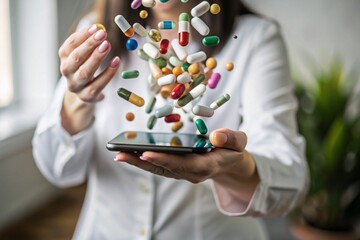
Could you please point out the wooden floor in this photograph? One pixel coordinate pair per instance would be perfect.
(55, 220)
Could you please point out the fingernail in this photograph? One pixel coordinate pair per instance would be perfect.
(220, 138)
(117, 159)
(92, 29)
(115, 62)
(100, 35)
(144, 158)
(104, 47)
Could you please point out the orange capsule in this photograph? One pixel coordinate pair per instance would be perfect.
(177, 71)
(166, 71)
(177, 126)
(194, 68)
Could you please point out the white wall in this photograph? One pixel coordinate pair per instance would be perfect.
(319, 28)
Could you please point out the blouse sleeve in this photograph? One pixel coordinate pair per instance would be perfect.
(62, 159)
(269, 120)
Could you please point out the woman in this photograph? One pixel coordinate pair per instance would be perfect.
(256, 169)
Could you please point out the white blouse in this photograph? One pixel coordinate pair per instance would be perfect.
(123, 202)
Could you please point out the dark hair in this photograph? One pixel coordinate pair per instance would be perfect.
(221, 24)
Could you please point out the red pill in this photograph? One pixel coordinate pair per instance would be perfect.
(178, 91)
(172, 118)
(164, 45)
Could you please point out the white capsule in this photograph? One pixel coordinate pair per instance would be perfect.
(151, 50)
(122, 23)
(200, 9)
(163, 111)
(140, 30)
(184, 78)
(148, 3)
(167, 79)
(200, 26)
(196, 57)
(198, 90)
(179, 50)
(203, 111)
(174, 61)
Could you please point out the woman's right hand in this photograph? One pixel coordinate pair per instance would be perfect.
(80, 56)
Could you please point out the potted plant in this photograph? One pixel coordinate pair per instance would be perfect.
(329, 120)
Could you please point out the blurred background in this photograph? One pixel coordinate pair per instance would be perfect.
(322, 38)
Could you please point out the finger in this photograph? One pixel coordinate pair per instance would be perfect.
(76, 39)
(226, 138)
(86, 71)
(80, 54)
(93, 89)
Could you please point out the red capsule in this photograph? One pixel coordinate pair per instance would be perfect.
(172, 118)
(178, 91)
(184, 38)
(164, 45)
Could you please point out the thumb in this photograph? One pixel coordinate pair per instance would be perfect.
(226, 138)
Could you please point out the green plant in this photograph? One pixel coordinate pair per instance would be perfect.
(329, 120)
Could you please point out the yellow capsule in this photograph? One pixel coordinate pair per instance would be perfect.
(166, 71)
(215, 8)
(130, 116)
(177, 71)
(143, 14)
(177, 126)
(194, 68)
(155, 35)
(131, 97)
(229, 66)
(100, 26)
(211, 63)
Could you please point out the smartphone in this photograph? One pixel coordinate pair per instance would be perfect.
(176, 143)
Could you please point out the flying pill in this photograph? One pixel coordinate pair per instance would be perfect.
(131, 44)
(214, 80)
(174, 117)
(203, 111)
(200, 26)
(179, 50)
(196, 57)
(124, 26)
(220, 101)
(155, 35)
(151, 50)
(131, 97)
(151, 122)
(194, 93)
(177, 91)
(135, 4)
(215, 8)
(211, 63)
(200, 9)
(177, 126)
(130, 74)
(200, 125)
(164, 46)
(184, 29)
(229, 66)
(166, 25)
(211, 41)
(130, 116)
(163, 111)
(140, 30)
(150, 105)
(148, 3)
(143, 14)
(167, 79)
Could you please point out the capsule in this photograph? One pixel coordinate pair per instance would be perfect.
(174, 61)
(177, 126)
(166, 70)
(131, 97)
(199, 79)
(200, 143)
(200, 9)
(167, 79)
(163, 111)
(214, 80)
(194, 68)
(220, 101)
(200, 26)
(124, 26)
(155, 70)
(177, 91)
(151, 122)
(166, 90)
(177, 71)
(140, 30)
(150, 105)
(130, 116)
(148, 3)
(166, 25)
(175, 117)
(184, 29)
(164, 46)
(131, 44)
(175, 142)
(185, 66)
(200, 125)
(179, 50)
(184, 78)
(130, 74)
(211, 63)
(194, 93)
(164, 1)
(196, 57)
(155, 35)
(160, 62)
(151, 50)
(142, 54)
(211, 41)
(203, 111)
(135, 4)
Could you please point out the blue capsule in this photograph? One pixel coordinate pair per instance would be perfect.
(131, 44)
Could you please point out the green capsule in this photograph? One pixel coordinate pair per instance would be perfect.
(142, 54)
(150, 105)
(201, 143)
(185, 66)
(200, 125)
(151, 122)
(210, 41)
(130, 74)
(199, 79)
(160, 62)
(220, 101)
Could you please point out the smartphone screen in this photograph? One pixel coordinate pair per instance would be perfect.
(161, 142)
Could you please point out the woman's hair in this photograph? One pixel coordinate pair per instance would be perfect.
(220, 24)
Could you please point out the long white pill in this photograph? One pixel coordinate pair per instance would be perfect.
(203, 111)
(167, 79)
(140, 30)
(200, 9)
(151, 50)
(196, 57)
(184, 78)
(175, 61)
(179, 50)
(200, 26)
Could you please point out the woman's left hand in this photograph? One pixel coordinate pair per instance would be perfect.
(228, 162)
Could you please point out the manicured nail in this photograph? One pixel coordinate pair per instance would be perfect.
(104, 47)
(115, 62)
(100, 35)
(144, 158)
(92, 29)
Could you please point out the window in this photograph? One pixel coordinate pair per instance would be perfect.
(6, 78)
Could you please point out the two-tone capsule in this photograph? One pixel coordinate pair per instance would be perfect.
(124, 26)
(220, 101)
(203, 111)
(131, 97)
(166, 25)
(194, 93)
(184, 29)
